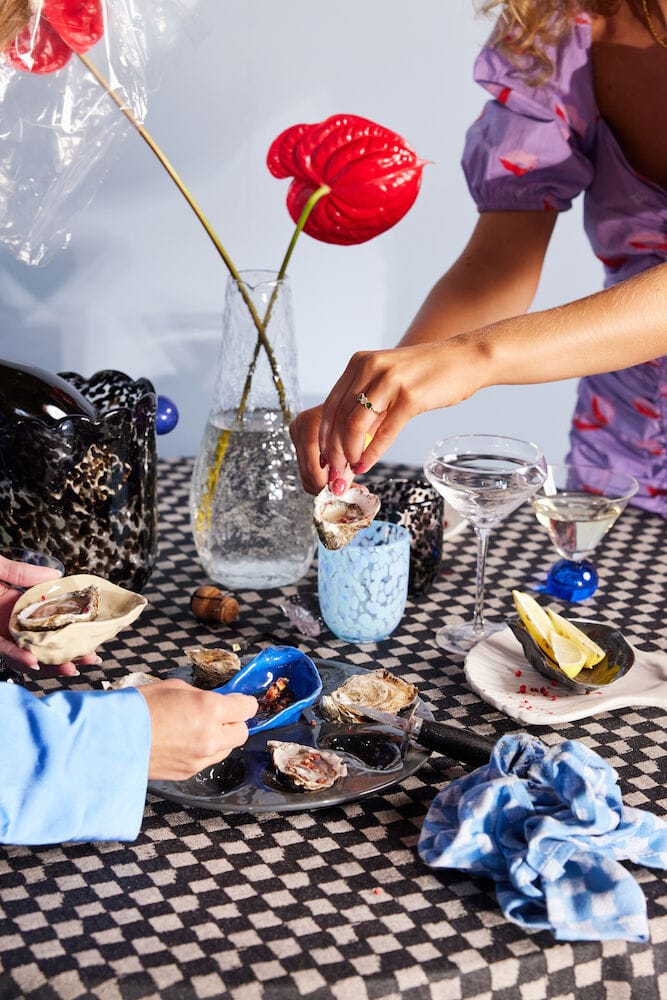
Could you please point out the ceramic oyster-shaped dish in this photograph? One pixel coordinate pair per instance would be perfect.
(338, 518)
(379, 689)
(66, 618)
(283, 679)
(306, 767)
(618, 659)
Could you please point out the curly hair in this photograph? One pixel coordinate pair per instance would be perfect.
(14, 15)
(525, 27)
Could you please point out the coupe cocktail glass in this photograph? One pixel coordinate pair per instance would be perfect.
(484, 477)
(578, 504)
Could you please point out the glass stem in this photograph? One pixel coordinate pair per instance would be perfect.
(482, 549)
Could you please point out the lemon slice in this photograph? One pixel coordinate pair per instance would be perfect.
(536, 620)
(569, 654)
(594, 653)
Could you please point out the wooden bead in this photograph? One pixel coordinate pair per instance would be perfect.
(210, 604)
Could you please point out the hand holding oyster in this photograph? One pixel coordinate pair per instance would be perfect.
(67, 618)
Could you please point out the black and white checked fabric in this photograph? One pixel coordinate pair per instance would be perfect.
(333, 903)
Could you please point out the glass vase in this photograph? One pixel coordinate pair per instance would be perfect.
(251, 519)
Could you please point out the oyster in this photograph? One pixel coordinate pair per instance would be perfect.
(64, 609)
(378, 689)
(306, 767)
(338, 519)
(212, 667)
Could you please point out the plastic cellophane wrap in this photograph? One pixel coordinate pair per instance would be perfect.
(59, 131)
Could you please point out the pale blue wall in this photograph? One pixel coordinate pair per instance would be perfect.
(141, 288)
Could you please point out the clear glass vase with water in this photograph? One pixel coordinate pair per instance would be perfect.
(251, 519)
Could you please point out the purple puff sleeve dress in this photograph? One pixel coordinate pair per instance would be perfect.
(538, 148)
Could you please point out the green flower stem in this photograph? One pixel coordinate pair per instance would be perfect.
(303, 218)
(262, 339)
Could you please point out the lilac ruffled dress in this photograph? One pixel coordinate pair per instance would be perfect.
(538, 148)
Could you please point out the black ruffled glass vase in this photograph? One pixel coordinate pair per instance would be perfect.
(78, 470)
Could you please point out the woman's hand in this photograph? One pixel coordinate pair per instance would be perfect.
(193, 729)
(24, 575)
(344, 437)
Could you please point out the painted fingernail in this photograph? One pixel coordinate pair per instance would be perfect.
(339, 487)
(358, 468)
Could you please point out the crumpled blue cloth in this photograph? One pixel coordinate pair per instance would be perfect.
(548, 825)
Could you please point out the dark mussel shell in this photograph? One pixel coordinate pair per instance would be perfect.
(615, 665)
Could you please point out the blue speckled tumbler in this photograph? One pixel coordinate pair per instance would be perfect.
(363, 586)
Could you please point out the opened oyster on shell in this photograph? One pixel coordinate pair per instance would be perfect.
(63, 609)
(64, 619)
(379, 689)
(338, 518)
(212, 667)
(306, 767)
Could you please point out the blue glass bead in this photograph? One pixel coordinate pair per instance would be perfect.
(166, 417)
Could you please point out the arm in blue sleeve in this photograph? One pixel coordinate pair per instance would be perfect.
(73, 765)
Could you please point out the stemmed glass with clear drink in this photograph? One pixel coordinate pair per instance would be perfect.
(578, 504)
(484, 477)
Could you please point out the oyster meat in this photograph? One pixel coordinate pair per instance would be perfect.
(338, 518)
(378, 689)
(306, 767)
(212, 667)
(56, 612)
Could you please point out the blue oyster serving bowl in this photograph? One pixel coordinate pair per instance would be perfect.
(304, 684)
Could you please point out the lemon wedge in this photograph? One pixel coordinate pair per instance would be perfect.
(536, 620)
(569, 654)
(594, 653)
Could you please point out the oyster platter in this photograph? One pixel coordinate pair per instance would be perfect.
(324, 754)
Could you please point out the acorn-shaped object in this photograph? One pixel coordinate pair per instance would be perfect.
(210, 604)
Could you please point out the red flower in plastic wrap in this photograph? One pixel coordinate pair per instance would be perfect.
(372, 175)
(58, 29)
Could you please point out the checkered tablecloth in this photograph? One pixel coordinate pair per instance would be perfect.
(334, 903)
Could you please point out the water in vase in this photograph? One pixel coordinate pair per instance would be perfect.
(252, 520)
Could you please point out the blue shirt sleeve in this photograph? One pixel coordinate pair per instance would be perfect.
(73, 765)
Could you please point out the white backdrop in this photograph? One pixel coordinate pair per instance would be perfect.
(141, 288)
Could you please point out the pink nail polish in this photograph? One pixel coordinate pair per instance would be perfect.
(339, 487)
(358, 468)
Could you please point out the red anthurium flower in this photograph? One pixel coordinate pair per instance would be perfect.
(60, 28)
(373, 177)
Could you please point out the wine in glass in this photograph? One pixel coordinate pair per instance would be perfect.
(578, 504)
(484, 477)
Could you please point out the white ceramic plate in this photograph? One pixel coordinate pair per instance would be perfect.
(500, 674)
(118, 608)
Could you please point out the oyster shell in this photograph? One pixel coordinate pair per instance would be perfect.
(63, 609)
(212, 667)
(117, 608)
(378, 689)
(338, 518)
(306, 767)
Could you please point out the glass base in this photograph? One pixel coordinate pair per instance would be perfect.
(571, 581)
(461, 638)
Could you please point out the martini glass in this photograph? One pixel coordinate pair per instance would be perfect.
(484, 477)
(578, 504)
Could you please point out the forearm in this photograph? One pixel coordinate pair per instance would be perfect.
(622, 326)
(495, 277)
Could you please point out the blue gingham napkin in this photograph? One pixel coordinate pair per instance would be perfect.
(548, 825)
